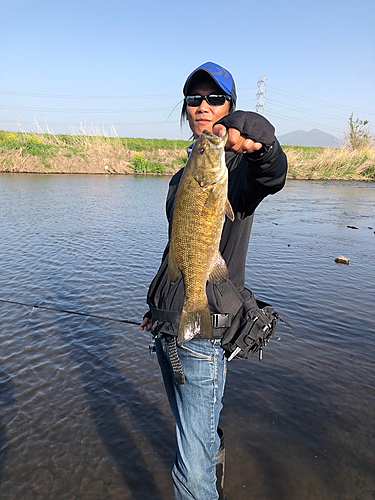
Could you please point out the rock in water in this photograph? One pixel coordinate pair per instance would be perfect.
(342, 260)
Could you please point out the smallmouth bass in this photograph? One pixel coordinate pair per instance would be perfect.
(198, 219)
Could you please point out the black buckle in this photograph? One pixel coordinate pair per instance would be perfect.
(221, 320)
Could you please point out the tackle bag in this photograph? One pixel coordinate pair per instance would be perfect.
(252, 326)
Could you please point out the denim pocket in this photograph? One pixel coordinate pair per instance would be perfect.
(201, 349)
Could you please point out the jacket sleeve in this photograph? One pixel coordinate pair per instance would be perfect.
(268, 166)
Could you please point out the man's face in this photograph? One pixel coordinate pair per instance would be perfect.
(205, 116)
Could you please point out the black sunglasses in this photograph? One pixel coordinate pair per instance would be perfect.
(213, 100)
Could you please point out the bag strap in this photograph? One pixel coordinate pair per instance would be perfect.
(218, 320)
(230, 298)
(177, 369)
(165, 316)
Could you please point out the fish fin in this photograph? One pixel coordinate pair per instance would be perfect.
(174, 272)
(195, 324)
(229, 210)
(212, 198)
(219, 271)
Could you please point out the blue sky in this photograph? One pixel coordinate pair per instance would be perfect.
(117, 63)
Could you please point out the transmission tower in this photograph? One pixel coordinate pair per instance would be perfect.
(261, 95)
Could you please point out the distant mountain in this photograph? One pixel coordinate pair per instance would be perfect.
(315, 138)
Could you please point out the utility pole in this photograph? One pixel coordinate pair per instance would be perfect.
(261, 95)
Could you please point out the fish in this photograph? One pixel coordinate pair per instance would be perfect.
(201, 205)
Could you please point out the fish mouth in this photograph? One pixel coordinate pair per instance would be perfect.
(215, 139)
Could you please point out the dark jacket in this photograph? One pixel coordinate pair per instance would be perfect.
(251, 178)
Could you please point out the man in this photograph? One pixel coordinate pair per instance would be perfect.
(257, 167)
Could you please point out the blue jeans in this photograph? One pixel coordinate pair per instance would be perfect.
(196, 406)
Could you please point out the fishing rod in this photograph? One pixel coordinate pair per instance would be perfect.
(65, 311)
(105, 318)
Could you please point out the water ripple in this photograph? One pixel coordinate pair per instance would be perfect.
(83, 413)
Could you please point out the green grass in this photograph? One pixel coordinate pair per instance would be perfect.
(29, 144)
(153, 144)
(129, 143)
(41, 145)
(308, 152)
(160, 156)
(48, 145)
(156, 156)
(145, 165)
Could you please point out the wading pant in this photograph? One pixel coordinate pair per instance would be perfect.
(196, 406)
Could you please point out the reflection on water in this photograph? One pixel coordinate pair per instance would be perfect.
(83, 414)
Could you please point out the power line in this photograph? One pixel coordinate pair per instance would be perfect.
(118, 124)
(312, 99)
(66, 110)
(75, 96)
(145, 110)
(163, 96)
(72, 96)
(75, 125)
(305, 110)
(303, 122)
(91, 124)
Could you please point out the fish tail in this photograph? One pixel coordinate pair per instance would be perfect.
(195, 324)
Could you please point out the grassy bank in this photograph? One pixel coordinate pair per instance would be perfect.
(48, 153)
(328, 163)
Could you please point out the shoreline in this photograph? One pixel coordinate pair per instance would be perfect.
(168, 162)
(122, 162)
(51, 154)
(170, 175)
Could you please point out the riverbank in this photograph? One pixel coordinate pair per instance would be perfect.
(83, 154)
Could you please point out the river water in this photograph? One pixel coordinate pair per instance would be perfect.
(83, 414)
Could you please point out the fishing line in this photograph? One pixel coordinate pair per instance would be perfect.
(179, 102)
(105, 318)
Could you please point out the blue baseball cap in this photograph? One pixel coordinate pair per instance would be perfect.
(220, 75)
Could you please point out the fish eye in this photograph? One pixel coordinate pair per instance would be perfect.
(201, 151)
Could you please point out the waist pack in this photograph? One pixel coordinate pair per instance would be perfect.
(245, 327)
(251, 328)
(243, 324)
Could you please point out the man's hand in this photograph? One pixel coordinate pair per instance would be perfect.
(146, 324)
(237, 142)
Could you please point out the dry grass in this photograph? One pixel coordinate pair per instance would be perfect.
(86, 152)
(96, 159)
(332, 164)
(91, 152)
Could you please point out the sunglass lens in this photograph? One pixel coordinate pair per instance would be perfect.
(216, 100)
(194, 101)
(213, 100)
